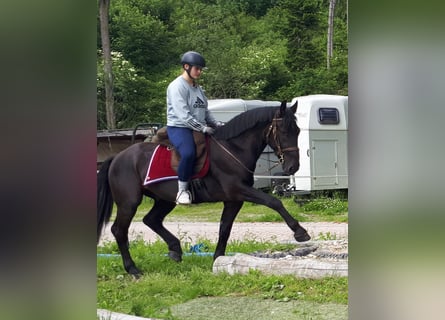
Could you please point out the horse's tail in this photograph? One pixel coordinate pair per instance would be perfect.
(104, 197)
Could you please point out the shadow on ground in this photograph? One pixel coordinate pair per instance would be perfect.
(246, 308)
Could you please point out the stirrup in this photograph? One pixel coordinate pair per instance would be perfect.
(184, 197)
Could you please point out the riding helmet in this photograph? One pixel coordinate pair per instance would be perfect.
(193, 58)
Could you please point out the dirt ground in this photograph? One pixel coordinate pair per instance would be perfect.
(192, 232)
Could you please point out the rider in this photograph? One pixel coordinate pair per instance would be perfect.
(187, 110)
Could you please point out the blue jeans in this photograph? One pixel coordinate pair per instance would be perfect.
(182, 140)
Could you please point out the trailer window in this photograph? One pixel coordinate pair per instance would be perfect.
(328, 116)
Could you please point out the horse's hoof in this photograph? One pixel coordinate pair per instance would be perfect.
(175, 256)
(135, 273)
(136, 276)
(301, 235)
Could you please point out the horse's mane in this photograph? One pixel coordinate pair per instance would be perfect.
(248, 120)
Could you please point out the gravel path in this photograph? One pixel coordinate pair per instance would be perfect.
(260, 231)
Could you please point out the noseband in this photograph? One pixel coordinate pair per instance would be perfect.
(272, 131)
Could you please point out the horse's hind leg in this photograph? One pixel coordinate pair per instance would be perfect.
(154, 220)
(229, 214)
(125, 213)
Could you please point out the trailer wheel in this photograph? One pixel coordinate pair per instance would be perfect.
(280, 186)
(279, 190)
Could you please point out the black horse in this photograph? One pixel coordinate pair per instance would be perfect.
(234, 151)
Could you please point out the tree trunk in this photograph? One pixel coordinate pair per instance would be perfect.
(104, 6)
(302, 268)
(330, 44)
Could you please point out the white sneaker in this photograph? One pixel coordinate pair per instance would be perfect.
(184, 197)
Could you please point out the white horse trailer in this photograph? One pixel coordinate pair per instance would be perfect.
(323, 143)
(323, 121)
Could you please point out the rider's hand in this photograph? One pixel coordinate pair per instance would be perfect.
(208, 130)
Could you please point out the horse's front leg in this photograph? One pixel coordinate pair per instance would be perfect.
(259, 197)
(229, 214)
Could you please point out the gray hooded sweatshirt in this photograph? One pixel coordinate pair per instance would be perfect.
(187, 106)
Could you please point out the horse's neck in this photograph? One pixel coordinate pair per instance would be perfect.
(249, 145)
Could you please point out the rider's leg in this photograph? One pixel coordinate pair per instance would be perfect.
(182, 139)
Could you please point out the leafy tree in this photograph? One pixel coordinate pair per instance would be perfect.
(140, 36)
(255, 8)
(133, 95)
(245, 58)
(302, 26)
(214, 33)
(305, 28)
(255, 49)
(262, 68)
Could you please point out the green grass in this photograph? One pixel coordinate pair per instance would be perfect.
(315, 210)
(166, 283)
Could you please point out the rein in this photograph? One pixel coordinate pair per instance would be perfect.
(231, 154)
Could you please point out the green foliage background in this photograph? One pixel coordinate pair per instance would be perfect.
(268, 49)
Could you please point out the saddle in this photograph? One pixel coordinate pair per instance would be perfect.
(161, 137)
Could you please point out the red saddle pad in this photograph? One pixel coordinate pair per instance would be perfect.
(160, 168)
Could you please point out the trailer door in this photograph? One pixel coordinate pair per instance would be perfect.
(324, 160)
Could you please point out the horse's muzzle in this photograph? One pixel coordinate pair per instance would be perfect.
(291, 168)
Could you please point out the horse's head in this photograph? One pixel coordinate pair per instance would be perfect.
(282, 137)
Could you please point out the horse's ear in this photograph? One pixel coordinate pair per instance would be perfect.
(283, 108)
(294, 107)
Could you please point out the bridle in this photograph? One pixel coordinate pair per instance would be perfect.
(272, 131)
